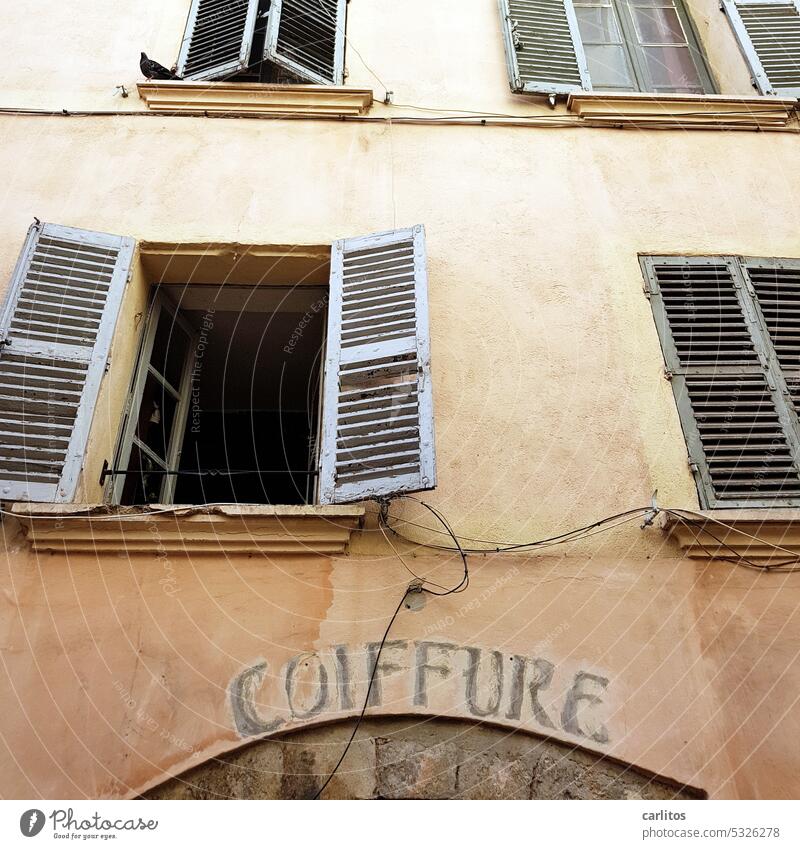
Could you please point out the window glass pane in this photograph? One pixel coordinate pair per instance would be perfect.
(597, 24)
(672, 68)
(140, 487)
(658, 26)
(156, 416)
(608, 66)
(169, 348)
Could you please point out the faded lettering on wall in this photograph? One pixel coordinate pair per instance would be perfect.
(420, 676)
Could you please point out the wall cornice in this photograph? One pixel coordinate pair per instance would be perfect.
(681, 111)
(158, 529)
(763, 536)
(244, 99)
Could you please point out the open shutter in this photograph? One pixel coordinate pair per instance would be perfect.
(56, 326)
(768, 32)
(218, 38)
(543, 46)
(742, 443)
(306, 37)
(377, 417)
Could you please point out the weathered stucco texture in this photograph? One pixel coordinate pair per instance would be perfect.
(551, 409)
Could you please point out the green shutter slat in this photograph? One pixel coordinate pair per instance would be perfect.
(741, 434)
(544, 53)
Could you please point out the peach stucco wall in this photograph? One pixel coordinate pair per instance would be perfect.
(551, 412)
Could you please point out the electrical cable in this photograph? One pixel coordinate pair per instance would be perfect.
(366, 698)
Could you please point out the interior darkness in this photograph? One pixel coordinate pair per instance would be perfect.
(254, 401)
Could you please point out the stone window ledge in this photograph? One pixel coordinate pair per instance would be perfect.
(160, 529)
(684, 111)
(247, 99)
(772, 527)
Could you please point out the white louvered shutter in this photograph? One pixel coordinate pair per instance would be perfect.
(306, 37)
(740, 432)
(768, 32)
(218, 38)
(57, 323)
(377, 417)
(544, 52)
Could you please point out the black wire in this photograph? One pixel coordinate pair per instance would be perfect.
(464, 583)
(366, 699)
(566, 536)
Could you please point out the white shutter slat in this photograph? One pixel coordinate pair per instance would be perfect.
(544, 52)
(54, 355)
(217, 39)
(306, 37)
(768, 32)
(377, 419)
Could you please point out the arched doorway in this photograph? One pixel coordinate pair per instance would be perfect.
(417, 758)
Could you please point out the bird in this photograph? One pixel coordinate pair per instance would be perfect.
(153, 71)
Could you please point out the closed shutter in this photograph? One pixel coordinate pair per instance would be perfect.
(306, 37)
(377, 417)
(218, 38)
(56, 325)
(739, 431)
(776, 285)
(543, 46)
(768, 32)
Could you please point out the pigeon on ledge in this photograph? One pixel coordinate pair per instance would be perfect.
(153, 71)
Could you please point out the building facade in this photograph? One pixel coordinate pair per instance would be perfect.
(384, 281)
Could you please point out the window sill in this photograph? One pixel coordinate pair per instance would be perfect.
(683, 111)
(251, 99)
(734, 538)
(230, 529)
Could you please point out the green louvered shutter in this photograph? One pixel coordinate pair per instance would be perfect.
(776, 285)
(544, 53)
(306, 37)
(218, 38)
(56, 328)
(740, 431)
(768, 32)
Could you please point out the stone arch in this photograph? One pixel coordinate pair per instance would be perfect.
(417, 757)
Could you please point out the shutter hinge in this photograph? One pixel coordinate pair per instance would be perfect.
(516, 39)
(108, 365)
(668, 375)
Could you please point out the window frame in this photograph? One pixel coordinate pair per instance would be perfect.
(143, 368)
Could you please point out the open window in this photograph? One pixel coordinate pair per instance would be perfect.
(224, 404)
(269, 41)
(304, 377)
(282, 386)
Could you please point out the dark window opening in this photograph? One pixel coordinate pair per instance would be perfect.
(227, 395)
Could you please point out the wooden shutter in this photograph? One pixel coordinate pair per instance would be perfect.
(741, 438)
(56, 326)
(306, 37)
(768, 32)
(377, 417)
(218, 38)
(543, 46)
(776, 285)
